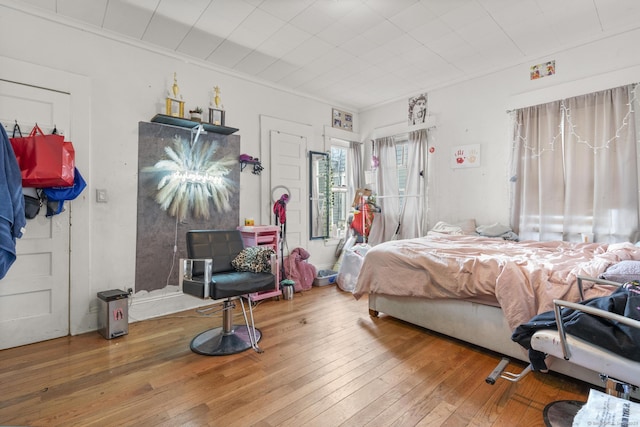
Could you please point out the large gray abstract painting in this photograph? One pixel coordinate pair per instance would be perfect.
(158, 231)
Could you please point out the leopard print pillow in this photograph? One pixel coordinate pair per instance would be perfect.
(256, 259)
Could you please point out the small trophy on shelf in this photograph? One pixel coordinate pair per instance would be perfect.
(175, 104)
(216, 109)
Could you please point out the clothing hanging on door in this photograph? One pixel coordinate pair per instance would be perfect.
(12, 219)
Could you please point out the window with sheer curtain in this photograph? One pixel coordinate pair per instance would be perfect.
(400, 187)
(346, 171)
(574, 169)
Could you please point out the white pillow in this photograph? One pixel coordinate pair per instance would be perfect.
(445, 228)
(468, 226)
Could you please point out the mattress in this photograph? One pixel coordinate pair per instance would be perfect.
(522, 277)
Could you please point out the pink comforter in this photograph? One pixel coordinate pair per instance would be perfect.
(525, 277)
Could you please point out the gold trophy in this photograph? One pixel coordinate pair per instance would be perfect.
(175, 104)
(216, 110)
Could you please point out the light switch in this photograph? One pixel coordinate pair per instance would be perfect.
(101, 196)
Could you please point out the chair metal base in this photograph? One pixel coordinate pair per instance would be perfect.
(217, 342)
(561, 413)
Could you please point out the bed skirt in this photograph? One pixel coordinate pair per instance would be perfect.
(476, 323)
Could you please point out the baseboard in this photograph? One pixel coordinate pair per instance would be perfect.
(147, 305)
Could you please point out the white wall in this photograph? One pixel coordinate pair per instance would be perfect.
(474, 112)
(128, 84)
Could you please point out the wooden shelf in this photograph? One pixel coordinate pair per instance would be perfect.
(185, 123)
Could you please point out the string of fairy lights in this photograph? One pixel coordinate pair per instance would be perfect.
(568, 129)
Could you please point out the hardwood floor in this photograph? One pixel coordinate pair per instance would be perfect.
(325, 363)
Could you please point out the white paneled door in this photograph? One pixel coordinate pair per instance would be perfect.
(34, 295)
(288, 174)
(284, 144)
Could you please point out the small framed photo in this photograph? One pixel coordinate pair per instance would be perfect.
(341, 120)
(542, 70)
(216, 116)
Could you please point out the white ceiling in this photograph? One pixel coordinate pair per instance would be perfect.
(358, 53)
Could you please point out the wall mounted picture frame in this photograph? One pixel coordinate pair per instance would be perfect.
(542, 70)
(341, 119)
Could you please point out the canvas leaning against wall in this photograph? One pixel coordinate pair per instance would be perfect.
(157, 229)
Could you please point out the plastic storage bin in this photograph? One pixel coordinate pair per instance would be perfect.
(325, 277)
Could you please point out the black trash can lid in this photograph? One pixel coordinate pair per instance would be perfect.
(113, 294)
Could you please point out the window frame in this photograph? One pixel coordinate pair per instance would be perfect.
(338, 227)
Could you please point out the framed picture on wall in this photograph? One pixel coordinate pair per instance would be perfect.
(341, 119)
(542, 70)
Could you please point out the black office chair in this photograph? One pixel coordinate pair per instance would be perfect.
(208, 273)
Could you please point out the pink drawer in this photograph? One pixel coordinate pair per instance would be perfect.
(266, 239)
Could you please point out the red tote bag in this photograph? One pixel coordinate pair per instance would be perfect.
(45, 160)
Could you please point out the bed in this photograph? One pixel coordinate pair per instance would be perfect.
(478, 289)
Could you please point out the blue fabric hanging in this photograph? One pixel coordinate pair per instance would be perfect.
(12, 219)
(57, 195)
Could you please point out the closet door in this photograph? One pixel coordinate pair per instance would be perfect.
(34, 295)
(288, 175)
(284, 144)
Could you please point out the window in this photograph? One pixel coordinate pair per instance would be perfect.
(575, 170)
(339, 204)
(402, 162)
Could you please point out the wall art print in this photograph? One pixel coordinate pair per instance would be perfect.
(465, 156)
(542, 70)
(341, 120)
(417, 109)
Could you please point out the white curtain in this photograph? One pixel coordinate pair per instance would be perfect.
(575, 169)
(355, 178)
(385, 222)
(402, 214)
(412, 211)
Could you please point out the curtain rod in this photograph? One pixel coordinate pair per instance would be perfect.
(562, 99)
(401, 128)
(398, 196)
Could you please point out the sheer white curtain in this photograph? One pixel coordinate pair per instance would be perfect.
(404, 214)
(355, 179)
(537, 172)
(412, 211)
(385, 223)
(575, 169)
